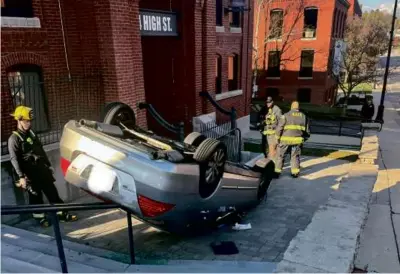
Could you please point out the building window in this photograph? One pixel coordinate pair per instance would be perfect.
(219, 13)
(26, 87)
(218, 78)
(306, 65)
(274, 62)
(334, 24)
(304, 95)
(274, 93)
(344, 24)
(310, 22)
(234, 19)
(330, 61)
(276, 24)
(233, 72)
(16, 8)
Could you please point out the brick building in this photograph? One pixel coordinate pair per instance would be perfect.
(294, 62)
(66, 58)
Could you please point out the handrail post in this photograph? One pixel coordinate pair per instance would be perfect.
(181, 133)
(57, 234)
(233, 118)
(131, 247)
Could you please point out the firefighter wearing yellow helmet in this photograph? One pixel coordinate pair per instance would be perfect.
(291, 132)
(31, 166)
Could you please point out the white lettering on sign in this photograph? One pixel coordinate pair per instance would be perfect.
(169, 24)
(165, 24)
(145, 22)
(158, 23)
(153, 23)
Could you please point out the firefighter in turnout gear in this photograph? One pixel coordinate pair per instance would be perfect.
(272, 116)
(31, 166)
(292, 132)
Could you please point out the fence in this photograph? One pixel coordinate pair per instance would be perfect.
(55, 101)
(230, 137)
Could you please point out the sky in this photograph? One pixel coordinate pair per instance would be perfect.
(385, 5)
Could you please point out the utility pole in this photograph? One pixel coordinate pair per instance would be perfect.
(381, 108)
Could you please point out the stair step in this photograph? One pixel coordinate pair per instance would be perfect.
(37, 237)
(192, 266)
(92, 263)
(45, 260)
(11, 265)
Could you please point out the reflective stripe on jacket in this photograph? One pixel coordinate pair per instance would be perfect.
(272, 120)
(292, 127)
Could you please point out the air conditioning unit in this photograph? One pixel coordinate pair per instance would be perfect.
(310, 33)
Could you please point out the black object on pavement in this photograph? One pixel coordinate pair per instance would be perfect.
(224, 248)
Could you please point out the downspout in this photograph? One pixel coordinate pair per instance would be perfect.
(64, 41)
(246, 107)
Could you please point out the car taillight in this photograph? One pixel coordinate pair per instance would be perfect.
(151, 208)
(64, 163)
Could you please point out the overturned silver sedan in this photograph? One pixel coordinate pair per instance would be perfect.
(168, 184)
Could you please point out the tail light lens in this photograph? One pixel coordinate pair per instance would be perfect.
(64, 163)
(151, 208)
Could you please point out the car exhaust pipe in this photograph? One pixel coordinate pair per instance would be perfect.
(149, 140)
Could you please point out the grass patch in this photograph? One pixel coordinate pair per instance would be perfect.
(346, 155)
(362, 88)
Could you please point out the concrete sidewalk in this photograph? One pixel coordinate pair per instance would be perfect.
(380, 240)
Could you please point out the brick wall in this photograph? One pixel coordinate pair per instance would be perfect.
(321, 85)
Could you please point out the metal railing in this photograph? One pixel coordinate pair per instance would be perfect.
(177, 129)
(54, 208)
(232, 113)
(232, 138)
(54, 99)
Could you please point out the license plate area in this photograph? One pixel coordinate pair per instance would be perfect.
(101, 179)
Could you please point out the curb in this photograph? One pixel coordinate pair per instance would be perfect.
(330, 242)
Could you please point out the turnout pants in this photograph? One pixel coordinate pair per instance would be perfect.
(43, 185)
(294, 159)
(272, 144)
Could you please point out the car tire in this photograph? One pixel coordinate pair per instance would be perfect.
(211, 156)
(120, 112)
(265, 181)
(194, 139)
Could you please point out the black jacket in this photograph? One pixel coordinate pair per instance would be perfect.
(368, 111)
(27, 156)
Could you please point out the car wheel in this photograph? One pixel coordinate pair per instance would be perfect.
(194, 139)
(120, 113)
(265, 180)
(211, 156)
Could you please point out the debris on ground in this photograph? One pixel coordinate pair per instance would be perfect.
(224, 248)
(238, 226)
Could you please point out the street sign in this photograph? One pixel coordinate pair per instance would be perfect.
(157, 23)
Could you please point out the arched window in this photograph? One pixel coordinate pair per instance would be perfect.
(310, 22)
(233, 72)
(26, 87)
(218, 78)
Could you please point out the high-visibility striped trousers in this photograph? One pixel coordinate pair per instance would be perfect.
(294, 159)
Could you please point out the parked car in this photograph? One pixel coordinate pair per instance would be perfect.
(169, 184)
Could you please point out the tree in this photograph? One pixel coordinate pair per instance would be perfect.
(365, 39)
(275, 29)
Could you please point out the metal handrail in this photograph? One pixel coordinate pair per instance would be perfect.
(178, 129)
(231, 113)
(54, 208)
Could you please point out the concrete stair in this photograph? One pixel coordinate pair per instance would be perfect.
(28, 252)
